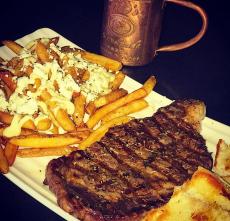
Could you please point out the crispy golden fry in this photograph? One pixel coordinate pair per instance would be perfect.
(29, 125)
(4, 166)
(6, 77)
(119, 78)
(127, 109)
(54, 129)
(28, 70)
(85, 76)
(105, 99)
(100, 132)
(45, 140)
(150, 84)
(46, 97)
(2, 127)
(42, 152)
(109, 98)
(90, 108)
(54, 121)
(64, 121)
(10, 152)
(108, 63)
(44, 124)
(14, 46)
(6, 118)
(100, 113)
(34, 87)
(42, 52)
(53, 40)
(24, 131)
(79, 112)
(82, 132)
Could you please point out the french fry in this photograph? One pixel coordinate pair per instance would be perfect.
(42, 152)
(85, 76)
(29, 124)
(105, 99)
(100, 113)
(28, 70)
(64, 121)
(100, 132)
(54, 129)
(6, 118)
(119, 78)
(10, 153)
(46, 97)
(42, 52)
(149, 84)
(6, 77)
(108, 63)
(24, 131)
(13, 46)
(81, 131)
(34, 87)
(45, 140)
(4, 166)
(127, 109)
(44, 124)
(54, 121)
(79, 112)
(53, 40)
(2, 128)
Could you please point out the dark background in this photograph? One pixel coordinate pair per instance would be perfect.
(200, 72)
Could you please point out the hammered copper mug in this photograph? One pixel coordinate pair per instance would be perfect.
(131, 30)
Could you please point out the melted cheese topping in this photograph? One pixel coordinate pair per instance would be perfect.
(16, 125)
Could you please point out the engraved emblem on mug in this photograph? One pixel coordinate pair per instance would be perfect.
(121, 26)
(119, 23)
(122, 37)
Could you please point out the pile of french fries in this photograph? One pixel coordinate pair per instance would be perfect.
(88, 122)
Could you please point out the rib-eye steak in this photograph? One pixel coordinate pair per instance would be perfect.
(134, 167)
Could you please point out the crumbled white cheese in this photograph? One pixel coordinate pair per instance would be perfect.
(53, 78)
(98, 83)
(22, 104)
(68, 86)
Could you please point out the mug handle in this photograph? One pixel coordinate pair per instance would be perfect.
(194, 40)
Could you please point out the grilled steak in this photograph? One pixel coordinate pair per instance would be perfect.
(134, 167)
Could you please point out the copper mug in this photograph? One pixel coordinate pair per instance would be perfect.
(131, 30)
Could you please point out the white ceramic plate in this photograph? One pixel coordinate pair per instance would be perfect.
(28, 174)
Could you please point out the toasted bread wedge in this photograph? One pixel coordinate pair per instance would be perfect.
(204, 197)
(222, 160)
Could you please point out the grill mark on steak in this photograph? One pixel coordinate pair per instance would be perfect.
(164, 167)
(154, 152)
(176, 130)
(133, 168)
(170, 155)
(196, 149)
(136, 165)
